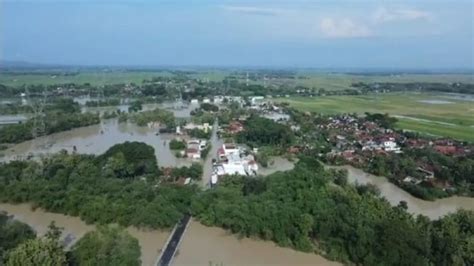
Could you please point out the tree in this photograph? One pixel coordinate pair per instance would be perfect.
(12, 233)
(108, 245)
(39, 251)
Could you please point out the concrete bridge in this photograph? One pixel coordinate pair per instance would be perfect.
(167, 254)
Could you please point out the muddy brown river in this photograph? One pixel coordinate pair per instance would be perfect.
(202, 245)
(394, 194)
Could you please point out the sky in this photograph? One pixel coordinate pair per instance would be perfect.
(415, 34)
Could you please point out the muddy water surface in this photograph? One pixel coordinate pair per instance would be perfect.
(97, 139)
(202, 245)
(394, 194)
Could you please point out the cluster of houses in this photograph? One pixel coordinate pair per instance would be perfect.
(357, 140)
(233, 160)
(218, 99)
(350, 134)
(194, 148)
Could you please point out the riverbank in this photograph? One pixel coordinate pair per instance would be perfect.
(202, 245)
(151, 241)
(394, 194)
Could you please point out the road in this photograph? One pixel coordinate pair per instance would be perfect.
(170, 250)
(207, 168)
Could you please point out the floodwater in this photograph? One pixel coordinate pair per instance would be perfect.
(151, 241)
(435, 102)
(394, 194)
(97, 139)
(276, 164)
(202, 245)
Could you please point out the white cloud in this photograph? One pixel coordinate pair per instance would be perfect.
(382, 15)
(343, 28)
(263, 11)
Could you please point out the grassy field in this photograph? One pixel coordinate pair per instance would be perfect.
(94, 78)
(445, 116)
(327, 81)
(344, 81)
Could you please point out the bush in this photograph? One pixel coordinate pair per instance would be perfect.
(177, 144)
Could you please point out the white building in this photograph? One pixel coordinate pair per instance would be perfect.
(218, 99)
(194, 101)
(390, 146)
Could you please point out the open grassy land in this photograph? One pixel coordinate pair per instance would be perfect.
(436, 114)
(344, 81)
(328, 81)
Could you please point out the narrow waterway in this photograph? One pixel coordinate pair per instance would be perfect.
(151, 241)
(394, 194)
(202, 245)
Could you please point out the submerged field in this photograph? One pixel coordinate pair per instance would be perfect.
(435, 114)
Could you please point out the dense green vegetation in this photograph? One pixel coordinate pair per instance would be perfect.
(303, 209)
(12, 233)
(177, 144)
(94, 187)
(209, 107)
(129, 160)
(39, 251)
(194, 172)
(62, 115)
(307, 208)
(261, 131)
(14, 108)
(145, 117)
(456, 171)
(200, 134)
(107, 246)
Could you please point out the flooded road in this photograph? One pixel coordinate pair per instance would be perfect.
(204, 246)
(394, 194)
(97, 139)
(150, 241)
(216, 143)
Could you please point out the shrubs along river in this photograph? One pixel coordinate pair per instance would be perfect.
(308, 208)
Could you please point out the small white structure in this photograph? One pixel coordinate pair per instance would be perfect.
(277, 117)
(206, 100)
(218, 99)
(234, 168)
(256, 99)
(214, 179)
(205, 127)
(194, 101)
(390, 146)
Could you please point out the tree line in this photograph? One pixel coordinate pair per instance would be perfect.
(308, 208)
(108, 245)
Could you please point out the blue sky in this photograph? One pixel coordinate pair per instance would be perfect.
(434, 34)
